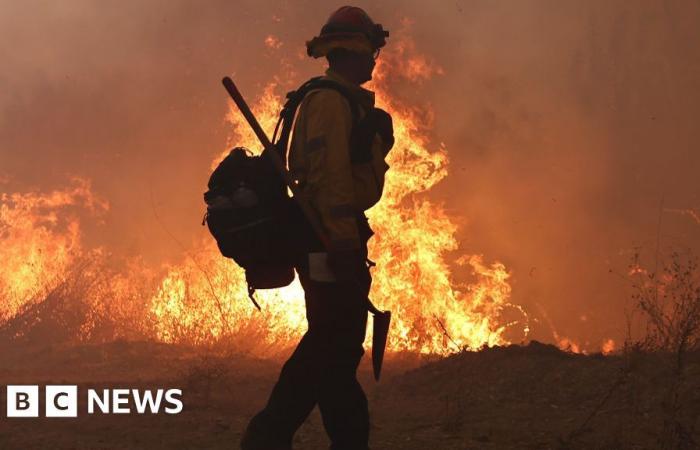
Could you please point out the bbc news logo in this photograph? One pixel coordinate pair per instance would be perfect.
(62, 401)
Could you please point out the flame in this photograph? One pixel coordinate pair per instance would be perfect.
(438, 306)
(414, 66)
(41, 240)
(608, 347)
(204, 298)
(569, 345)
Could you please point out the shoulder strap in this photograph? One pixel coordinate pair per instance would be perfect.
(294, 99)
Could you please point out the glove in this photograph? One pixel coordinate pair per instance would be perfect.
(345, 264)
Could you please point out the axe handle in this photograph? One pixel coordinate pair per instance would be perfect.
(272, 154)
(245, 110)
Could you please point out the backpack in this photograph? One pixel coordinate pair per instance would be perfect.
(249, 212)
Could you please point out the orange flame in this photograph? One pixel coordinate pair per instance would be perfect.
(412, 277)
(41, 240)
(608, 347)
(202, 300)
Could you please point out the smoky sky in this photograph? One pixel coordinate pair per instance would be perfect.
(571, 127)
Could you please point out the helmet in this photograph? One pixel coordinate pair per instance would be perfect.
(350, 28)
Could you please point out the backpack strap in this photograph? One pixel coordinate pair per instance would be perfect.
(294, 99)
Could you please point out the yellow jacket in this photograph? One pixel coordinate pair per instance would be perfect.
(319, 159)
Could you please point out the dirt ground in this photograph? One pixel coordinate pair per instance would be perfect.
(517, 397)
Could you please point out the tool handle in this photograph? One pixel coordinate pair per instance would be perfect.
(245, 110)
(274, 157)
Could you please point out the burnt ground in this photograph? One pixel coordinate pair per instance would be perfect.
(529, 397)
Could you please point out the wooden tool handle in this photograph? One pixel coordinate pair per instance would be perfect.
(271, 153)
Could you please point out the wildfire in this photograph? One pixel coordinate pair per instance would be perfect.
(412, 277)
(203, 299)
(41, 241)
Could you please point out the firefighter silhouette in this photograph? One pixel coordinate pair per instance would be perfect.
(337, 158)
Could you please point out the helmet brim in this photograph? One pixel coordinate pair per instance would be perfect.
(355, 42)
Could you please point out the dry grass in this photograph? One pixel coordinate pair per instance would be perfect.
(669, 302)
(647, 396)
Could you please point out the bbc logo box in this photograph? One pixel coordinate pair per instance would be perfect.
(22, 401)
(61, 401)
(58, 401)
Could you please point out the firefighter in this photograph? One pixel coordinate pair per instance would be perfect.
(337, 158)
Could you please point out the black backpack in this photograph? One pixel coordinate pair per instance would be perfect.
(249, 212)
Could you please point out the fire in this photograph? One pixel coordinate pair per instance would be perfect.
(41, 241)
(568, 345)
(205, 299)
(608, 347)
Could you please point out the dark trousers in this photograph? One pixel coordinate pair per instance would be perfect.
(321, 371)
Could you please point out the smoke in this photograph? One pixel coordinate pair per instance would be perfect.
(570, 125)
(573, 133)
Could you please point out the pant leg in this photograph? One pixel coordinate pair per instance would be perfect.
(337, 324)
(321, 370)
(296, 392)
(291, 401)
